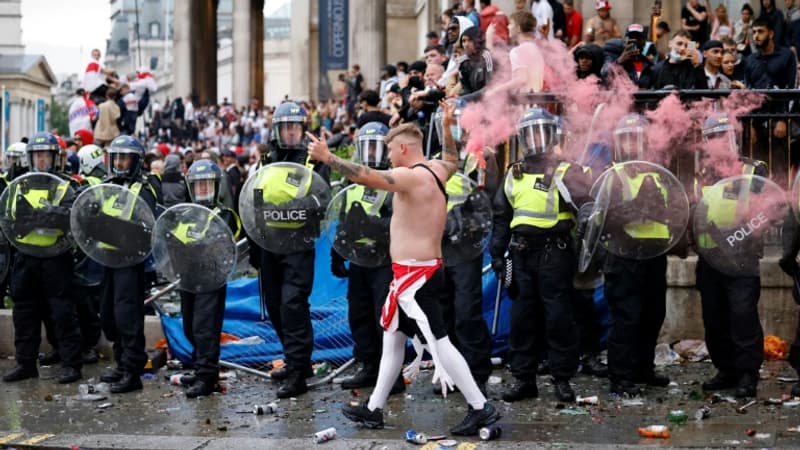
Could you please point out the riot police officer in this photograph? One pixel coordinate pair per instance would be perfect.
(730, 303)
(365, 215)
(15, 163)
(39, 285)
(534, 216)
(203, 312)
(462, 306)
(287, 279)
(636, 289)
(92, 164)
(122, 301)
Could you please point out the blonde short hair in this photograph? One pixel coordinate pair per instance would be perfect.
(407, 129)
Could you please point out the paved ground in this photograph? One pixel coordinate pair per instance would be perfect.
(46, 415)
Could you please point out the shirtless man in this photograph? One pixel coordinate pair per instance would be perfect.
(416, 230)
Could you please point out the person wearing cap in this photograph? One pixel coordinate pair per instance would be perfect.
(694, 19)
(712, 67)
(633, 61)
(602, 27)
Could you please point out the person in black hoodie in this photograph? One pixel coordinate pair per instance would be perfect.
(590, 62)
(477, 70)
(173, 187)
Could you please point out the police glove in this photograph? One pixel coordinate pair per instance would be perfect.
(584, 213)
(338, 268)
(499, 266)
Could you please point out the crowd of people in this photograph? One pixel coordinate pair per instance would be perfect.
(416, 180)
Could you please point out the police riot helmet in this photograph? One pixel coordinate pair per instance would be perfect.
(719, 125)
(91, 157)
(203, 180)
(15, 157)
(455, 128)
(630, 138)
(370, 145)
(44, 153)
(288, 125)
(125, 158)
(537, 131)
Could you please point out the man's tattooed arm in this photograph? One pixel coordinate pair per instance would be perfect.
(361, 174)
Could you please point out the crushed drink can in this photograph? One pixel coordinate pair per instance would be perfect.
(677, 416)
(416, 438)
(703, 413)
(269, 408)
(322, 368)
(490, 432)
(593, 400)
(325, 435)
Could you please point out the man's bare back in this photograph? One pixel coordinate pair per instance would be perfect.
(419, 217)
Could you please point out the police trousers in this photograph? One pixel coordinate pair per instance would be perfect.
(122, 316)
(637, 297)
(542, 273)
(286, 282)
(202, 315)
(734, 336)
(462, 311)
(367, 289)
(39, 287)
(794, 349)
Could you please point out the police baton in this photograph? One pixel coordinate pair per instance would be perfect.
(242, 246)
(497, 297)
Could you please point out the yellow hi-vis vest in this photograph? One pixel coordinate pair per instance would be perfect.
(646, 229)
(112, 209)
(370, 199)
(534, 204)
(722, 209)
(459, 186)
(188, 232)
(281, 185)
(38, 198)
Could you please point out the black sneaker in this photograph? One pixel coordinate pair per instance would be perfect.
(364, 377)
(475, 419)
(652, 379)
(294, 385)
(361, 414)
(112, 375)
(49, 358)
(68, 375)
(747, 386)
(521, 389)
(722, 380)
(624, 387)
(563, 390)
(20, 373)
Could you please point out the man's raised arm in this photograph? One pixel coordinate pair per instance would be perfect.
(449, 151)
(394, 180)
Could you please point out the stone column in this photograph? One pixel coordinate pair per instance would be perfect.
(257, 50)
(368, 38)
(241, 52)
(182, 48)
(299, 53)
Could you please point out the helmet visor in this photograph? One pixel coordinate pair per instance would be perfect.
(203, 191)
(42, 161)
(372, 151)
(629, 144)
(289, 134)
(537, 137)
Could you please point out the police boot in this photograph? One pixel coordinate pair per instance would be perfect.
(283, 373)
(294, 385)
(90, 356)
(591, 365)
(111, 375)
(201, 388)
(722, 380)
(20, 373)
(748, 385)
(564, 392)
(624, 387)
(365, 376)
(68, 375)
(652, 379)
(521, 389)
(128, 383)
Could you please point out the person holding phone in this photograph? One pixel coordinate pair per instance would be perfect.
(678, 70)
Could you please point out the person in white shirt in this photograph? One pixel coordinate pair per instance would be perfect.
(543, 13)
(80, 113)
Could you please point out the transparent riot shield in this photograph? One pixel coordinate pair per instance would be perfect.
(731, 219)
(194, 246)
(469, 221)
(641, 211)
(34, 214)
(282, 206)
(112, 225)
(354, 224)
